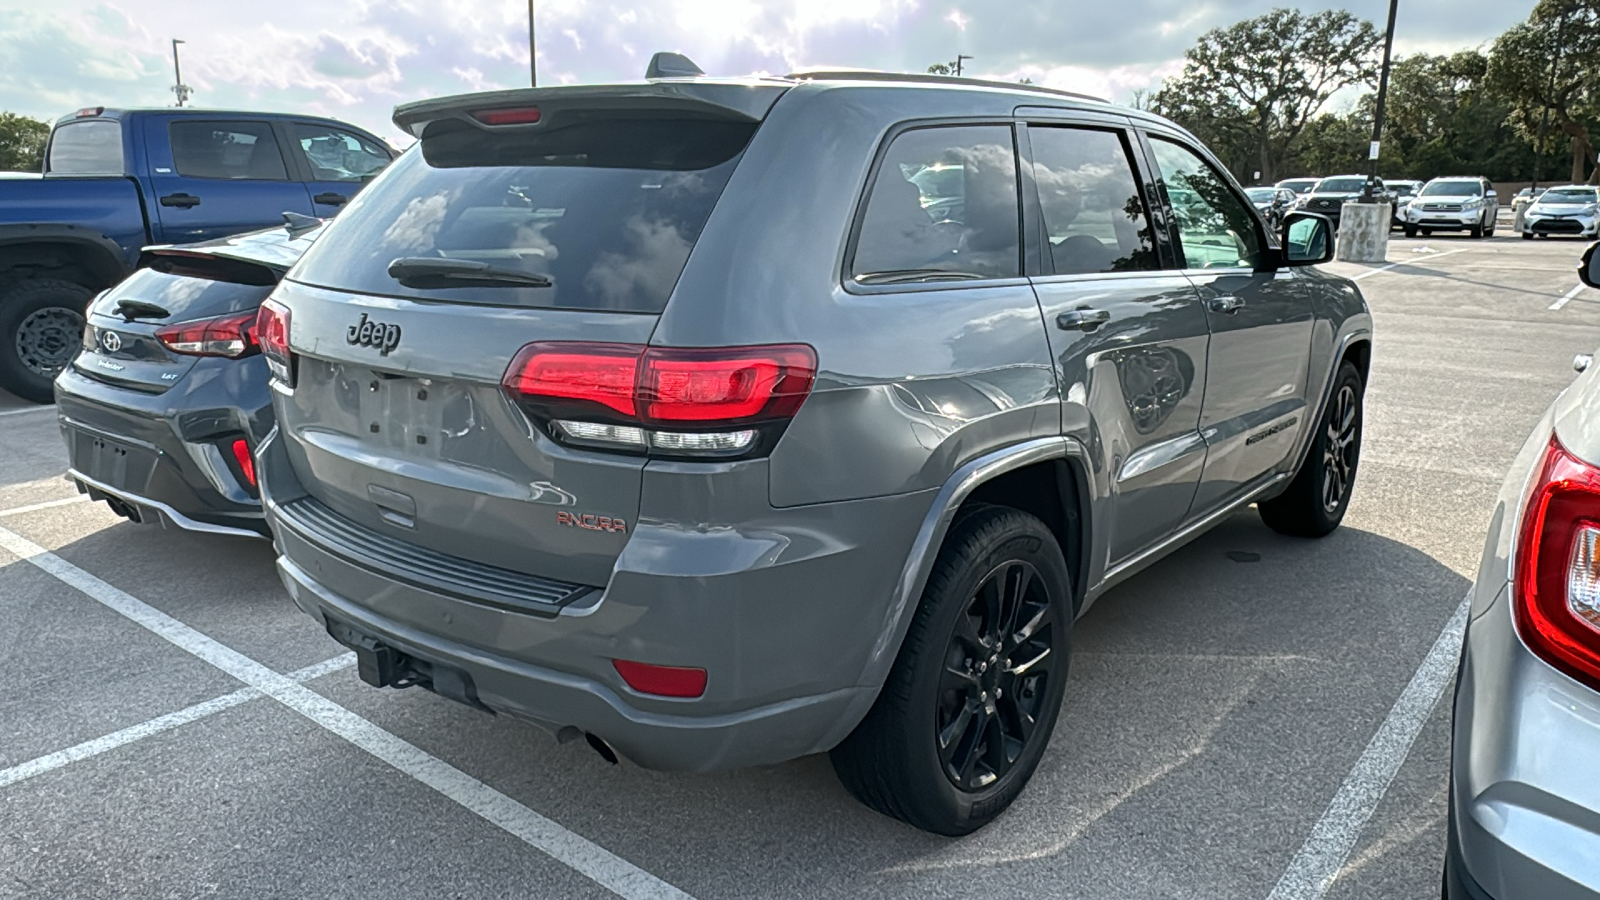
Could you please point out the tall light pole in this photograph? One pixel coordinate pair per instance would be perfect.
(533, 65)
(1367, 194)
(178, 87)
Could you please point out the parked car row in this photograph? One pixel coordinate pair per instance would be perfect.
(1443, 204)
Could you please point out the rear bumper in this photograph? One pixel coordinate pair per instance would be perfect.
(1524, 801)
(785, 614)
(163, 455)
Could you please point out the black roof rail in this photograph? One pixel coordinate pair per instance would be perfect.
(921, 78)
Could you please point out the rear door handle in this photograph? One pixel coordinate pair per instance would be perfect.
(181, 201)
(1082, 319)
(1229, 305)
(330, 199)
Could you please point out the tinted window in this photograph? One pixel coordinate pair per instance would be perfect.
(338, 155)
(945, 201)
(90, 147)
(232, 150)
(1214, 227)
(1094, 215)
(607, 209)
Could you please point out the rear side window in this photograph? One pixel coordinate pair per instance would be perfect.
(231, 150)
(1094, 214)
(606, 209)
(944, 206)
(89, 147)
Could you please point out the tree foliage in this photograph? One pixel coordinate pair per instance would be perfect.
(1252, 89)
(1546, 67)
(22, 143)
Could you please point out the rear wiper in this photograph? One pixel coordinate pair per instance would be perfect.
(138, 309)
(427, 272)
(900, 276)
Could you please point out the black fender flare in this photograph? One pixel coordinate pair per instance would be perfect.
(98, 256)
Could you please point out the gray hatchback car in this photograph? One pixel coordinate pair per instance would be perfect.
(728, 421)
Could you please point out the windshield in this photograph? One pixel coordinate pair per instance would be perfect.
(1452, 189)
(1298, 185)
(1260, 195)
(602, 213)
(1341, 185)
(1569, 195)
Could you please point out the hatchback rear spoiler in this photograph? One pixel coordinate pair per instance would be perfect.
(738, 100)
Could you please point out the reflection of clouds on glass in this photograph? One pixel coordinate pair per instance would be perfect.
(414, 229)
(180, 291)
(655, 255)
(529, 238)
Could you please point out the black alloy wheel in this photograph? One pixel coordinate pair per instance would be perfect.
(1317, 498)
(1340, 448)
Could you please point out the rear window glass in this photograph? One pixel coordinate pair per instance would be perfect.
(90, 147)
(232, 150)
(606, 209)
(190, 291)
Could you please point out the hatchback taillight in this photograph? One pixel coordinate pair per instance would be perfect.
(666, 400)
(232, 336)
(1558, 566)
(272, 331)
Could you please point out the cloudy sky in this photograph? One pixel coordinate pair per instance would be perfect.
(355, 59)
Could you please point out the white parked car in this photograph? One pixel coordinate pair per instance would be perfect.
(1572, 210)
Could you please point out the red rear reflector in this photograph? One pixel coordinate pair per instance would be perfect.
(247, 465)
(1557, 574)
(523, 116)
(233, 336)
(662, 681)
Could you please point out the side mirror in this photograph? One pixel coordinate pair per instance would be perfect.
(1307, 239)
(1587, 270)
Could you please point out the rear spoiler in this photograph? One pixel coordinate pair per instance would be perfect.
(737, 100)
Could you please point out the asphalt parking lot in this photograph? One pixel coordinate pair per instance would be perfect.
(170, 726)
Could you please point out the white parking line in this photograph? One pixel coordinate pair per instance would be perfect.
(1568, 298)
(1317, 864)
(115, 739)
(26, 409)
(48, 504)
(1429, 258)
(602, 866)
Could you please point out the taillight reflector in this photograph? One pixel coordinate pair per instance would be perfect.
(601, 374)
(519, 116)
(232, 336)
(247, 464)
(272, 331)
(662, 681)
(1557, 572)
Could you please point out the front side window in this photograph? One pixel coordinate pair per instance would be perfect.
(944, 207)
(1215, 229)
(1094, 215)
(338, 155)
(234, 151)
(89, 147)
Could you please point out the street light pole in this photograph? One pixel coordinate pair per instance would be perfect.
(960, 57)
(533, 65)
(1367, 193)
(178, 87)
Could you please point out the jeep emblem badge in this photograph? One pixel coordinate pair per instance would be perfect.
(373, 334)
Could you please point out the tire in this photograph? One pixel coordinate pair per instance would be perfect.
(41, 328)
(1527, 235)
(1427, 232)
(1411, 231)
(895, 761)
(1476, 231)
(1315, 502)
(1492, 223)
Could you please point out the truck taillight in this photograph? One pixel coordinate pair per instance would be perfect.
(232, 336)
(666, 400)
(272, 331)
(1557, 587)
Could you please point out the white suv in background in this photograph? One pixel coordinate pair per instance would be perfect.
(1453, 204)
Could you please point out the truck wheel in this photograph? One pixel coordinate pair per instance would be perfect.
(41, 329)
(970, 703)
(1315, 502)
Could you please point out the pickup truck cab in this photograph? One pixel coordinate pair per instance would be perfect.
(116, 180)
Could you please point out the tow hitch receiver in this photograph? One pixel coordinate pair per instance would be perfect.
(381, 665)
(377, 664)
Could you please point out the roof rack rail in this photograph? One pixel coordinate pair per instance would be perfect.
(919, 78)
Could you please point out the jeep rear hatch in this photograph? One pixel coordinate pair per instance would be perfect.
(569, 223)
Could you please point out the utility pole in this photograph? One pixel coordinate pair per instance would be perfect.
(533, 65)
(1367, 193)
(178, 87)
(960, 57)
(1544, 117)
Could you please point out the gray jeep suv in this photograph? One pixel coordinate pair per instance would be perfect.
(727, 421)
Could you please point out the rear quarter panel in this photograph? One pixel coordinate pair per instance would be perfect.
(105, 210)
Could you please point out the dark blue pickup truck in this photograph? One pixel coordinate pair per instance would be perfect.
(117, 180)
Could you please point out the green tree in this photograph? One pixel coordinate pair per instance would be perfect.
(948, 68)
(1547, 66)
(22, 143)
(1250, 90)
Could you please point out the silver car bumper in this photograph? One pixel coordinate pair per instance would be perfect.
(1525, 786)
(1587, 226)
(1431, 218)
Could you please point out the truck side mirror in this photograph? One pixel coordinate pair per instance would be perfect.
(1307, 239)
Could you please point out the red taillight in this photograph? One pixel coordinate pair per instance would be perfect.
(233, 336)
(272, 331)
(520, 116)
(706, 401)
(1558, 566)
(247, 465)
(663, 681)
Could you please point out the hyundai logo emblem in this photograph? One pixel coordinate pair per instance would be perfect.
(111, 341)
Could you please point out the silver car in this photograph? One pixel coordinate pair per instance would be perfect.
(1572, 210)
(1524, 796)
